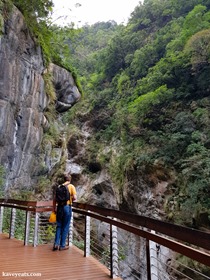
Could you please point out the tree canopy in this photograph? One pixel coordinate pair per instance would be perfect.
(151, 79)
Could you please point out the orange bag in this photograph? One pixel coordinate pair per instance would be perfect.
(52, 218)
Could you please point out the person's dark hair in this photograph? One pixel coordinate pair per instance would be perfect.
(67, 177)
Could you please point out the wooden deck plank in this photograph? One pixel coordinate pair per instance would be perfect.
(63, 265)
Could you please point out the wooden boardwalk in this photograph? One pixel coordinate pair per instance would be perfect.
(48, 265)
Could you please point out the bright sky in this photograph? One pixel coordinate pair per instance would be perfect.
(92, 11)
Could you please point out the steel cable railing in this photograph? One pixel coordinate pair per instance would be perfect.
(100, 241)
(6, 220)
(46, 230)
(127, 245)
(77, 230)
(132, 259)
(178, 269)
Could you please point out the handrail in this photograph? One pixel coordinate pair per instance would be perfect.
(185, 234)
(178, 247)
(33, 206)
(175, 237)
(18, 202)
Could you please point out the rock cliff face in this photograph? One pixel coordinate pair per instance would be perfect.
(95, 186)
(23, 102)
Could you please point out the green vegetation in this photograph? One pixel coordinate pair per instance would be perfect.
(149, 82)
(2, 179)
(52, 38)
(79, 244)
(1, 17)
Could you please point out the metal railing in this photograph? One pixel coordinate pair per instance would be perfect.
(131, 246)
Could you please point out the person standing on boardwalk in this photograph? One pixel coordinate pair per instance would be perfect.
(63, 215)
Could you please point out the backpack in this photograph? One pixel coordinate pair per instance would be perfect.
(62, 194)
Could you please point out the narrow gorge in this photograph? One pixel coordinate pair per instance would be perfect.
(136, 139)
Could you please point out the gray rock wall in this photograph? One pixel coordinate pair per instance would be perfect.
(23, 101)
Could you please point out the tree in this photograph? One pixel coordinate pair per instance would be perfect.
(39, 9)
(198, 46)
(115, 57)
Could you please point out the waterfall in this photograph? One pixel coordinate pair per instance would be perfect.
(15, 150)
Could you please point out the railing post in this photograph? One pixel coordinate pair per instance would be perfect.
(154, 262)
(27, 227)
(12, 223)
(1, 218)
(87, 237)
(70, 240)
(148, 260)
(113, 252)
(36, 229)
